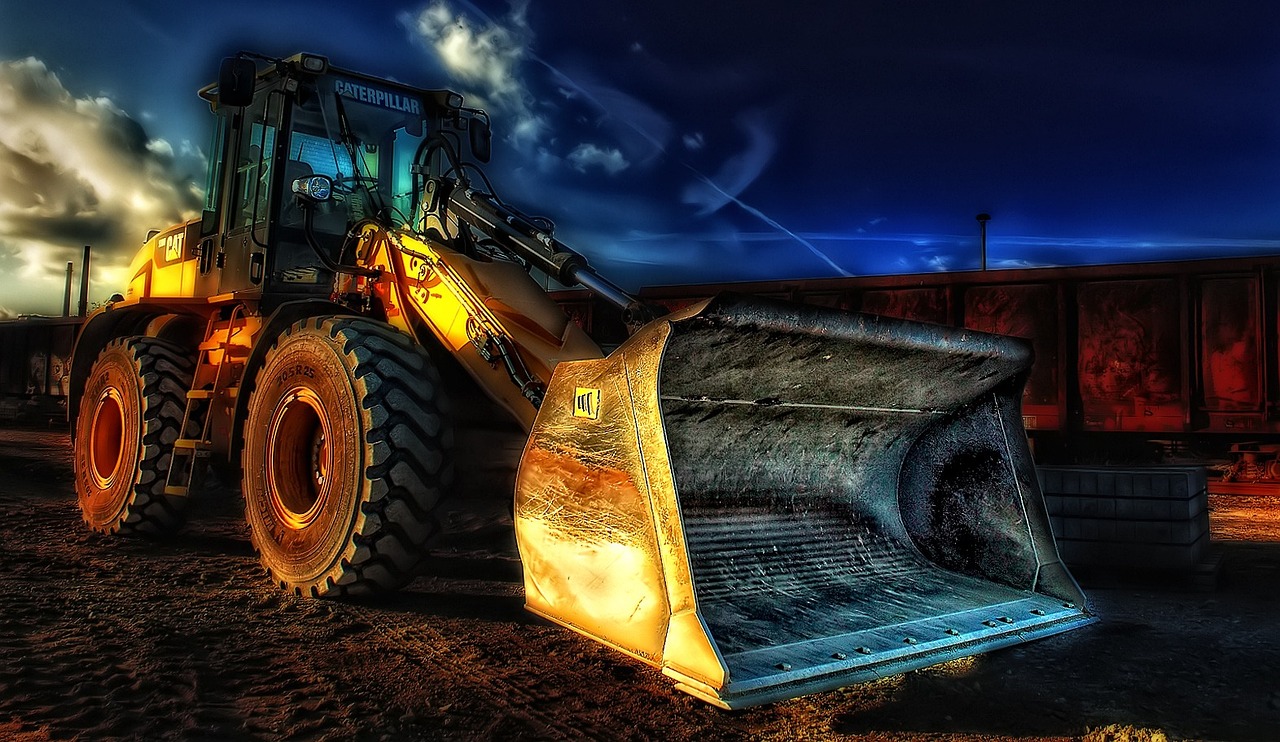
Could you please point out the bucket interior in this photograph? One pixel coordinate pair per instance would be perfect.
(854, 493)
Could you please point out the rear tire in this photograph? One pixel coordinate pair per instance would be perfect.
(130, 416)
(346, 457)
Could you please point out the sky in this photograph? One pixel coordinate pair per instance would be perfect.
(683, 142)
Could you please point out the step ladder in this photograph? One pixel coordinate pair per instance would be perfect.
(191, 452)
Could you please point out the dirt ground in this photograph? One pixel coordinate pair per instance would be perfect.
(112, 638)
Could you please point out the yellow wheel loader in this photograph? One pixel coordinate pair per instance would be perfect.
(761, 499)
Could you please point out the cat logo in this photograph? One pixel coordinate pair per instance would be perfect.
(172, 245)
(586, 403)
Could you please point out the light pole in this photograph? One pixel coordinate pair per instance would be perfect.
(982, 222)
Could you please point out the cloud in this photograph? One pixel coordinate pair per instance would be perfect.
(585, 156)
(485, 57)
(739, 171)
(489, 55)
(640, 130)
(73, 172)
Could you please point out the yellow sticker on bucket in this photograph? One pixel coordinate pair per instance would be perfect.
(586, 402)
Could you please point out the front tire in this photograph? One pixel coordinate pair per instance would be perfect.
(346, 457)
(130, 416)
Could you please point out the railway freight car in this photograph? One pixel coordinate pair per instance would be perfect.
(35, 355)
(1175, 362)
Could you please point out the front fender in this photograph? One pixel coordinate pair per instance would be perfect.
(286, 314)
(103, 326)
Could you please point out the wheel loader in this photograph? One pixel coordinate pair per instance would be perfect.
(761, 499)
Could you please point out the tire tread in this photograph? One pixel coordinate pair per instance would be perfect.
(164, 370)
(407, 466)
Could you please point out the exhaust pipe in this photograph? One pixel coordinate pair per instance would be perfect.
(66, 296)
(84, 283)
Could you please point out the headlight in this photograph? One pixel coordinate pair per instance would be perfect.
(314, 187)
(314, 63)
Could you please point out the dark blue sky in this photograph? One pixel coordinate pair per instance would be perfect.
(676, 142)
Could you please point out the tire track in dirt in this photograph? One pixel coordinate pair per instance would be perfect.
(555, 684)
(114, 638)
(109, 638)
(144, 657)
(119, 638)
(431, 649)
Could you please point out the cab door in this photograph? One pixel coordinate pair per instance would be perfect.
(208, 240)
(249, 195)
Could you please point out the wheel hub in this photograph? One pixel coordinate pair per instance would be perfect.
(299, 459)
(107, 438)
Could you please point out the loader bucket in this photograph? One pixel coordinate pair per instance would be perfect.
(766, 500)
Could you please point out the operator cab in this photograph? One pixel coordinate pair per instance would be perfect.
(300, 117)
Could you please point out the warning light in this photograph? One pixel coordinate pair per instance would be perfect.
(586, 403)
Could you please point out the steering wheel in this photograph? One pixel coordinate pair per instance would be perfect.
(347, 184)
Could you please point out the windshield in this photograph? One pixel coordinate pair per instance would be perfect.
(364, 137)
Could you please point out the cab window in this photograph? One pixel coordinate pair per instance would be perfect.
(252, 190)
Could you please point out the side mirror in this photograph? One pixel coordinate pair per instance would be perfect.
(236, 78)
(313, 188)
(208, 222)
(481, 138)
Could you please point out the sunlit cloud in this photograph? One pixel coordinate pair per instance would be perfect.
(586, 156)
(74, 172)
(485, 57)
